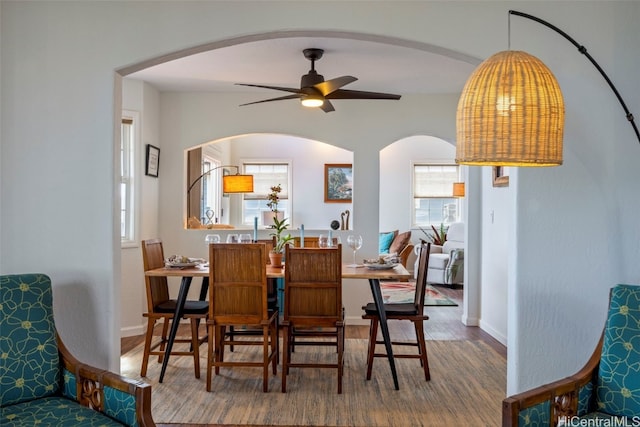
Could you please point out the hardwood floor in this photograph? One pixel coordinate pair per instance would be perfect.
(443, 324)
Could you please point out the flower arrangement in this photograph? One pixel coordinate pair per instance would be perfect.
(274, 198)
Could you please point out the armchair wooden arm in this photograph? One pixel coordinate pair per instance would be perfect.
(127, 400)
(404, 254)
(546, 404)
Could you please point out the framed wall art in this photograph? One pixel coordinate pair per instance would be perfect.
(500, 176)
(338, 183)
(153, 161)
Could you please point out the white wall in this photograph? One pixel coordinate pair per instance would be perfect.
(58, 152)
(496, 216)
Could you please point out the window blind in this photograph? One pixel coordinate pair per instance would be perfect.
(266, 176)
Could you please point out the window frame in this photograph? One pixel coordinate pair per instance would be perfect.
(211, 186)
(131, 180)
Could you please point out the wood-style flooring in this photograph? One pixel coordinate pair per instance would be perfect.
(443, 324)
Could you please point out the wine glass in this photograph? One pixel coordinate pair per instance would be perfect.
(245, 238)
(355, 243)
(232, 238)
(212, 238)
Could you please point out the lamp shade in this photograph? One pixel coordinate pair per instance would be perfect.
(458, 189)
(510, 113)
(237, 184)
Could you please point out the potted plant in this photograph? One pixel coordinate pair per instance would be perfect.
(268, 218)
(275, 255)
(438, 237)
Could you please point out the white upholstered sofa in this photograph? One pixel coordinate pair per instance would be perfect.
(446, 262)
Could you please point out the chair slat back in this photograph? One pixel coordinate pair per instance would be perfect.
(237, 283)
(313, 285)
(421, 277)
(269, 244)
(157, 287)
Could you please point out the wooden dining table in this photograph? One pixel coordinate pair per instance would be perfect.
(348, 272)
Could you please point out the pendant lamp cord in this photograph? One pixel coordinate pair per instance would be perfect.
(582, 50)
(509, 30)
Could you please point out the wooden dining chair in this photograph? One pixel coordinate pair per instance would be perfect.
(161, 308)
(272, 300)
(411, 311)
(238, 296)
(313, 312)
(309, 242)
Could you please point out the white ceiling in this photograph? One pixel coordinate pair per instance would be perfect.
(399, 67)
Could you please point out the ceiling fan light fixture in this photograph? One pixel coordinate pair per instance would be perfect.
(315, 92)
(312, 101)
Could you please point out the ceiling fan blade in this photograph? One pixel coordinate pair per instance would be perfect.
(334, 84)
(273, 99)
(358, 94)
(285, 89)
(327, 107)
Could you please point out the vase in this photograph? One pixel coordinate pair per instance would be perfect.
(275, 259)
(267, 217)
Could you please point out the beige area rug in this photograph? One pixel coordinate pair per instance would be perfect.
(468, 382)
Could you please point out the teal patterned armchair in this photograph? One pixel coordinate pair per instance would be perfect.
(41, 383)
(606, 391)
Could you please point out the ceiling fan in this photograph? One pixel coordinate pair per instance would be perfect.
(314, 91)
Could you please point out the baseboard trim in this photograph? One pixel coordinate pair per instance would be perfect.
(470, 321)
(132, 331)
(353, 320)
(493, 332)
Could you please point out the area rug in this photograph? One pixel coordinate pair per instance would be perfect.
(398, 292)
(468, 382)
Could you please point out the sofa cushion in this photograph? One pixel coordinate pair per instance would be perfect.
(53, 411)
(400, 242)
(450, 245)
(455, 232)
(29, 366)
(438, 261)
(618, 382)
(385, 241)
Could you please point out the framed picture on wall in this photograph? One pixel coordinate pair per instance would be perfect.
(500, 176)
(153, 161)
(338, 183)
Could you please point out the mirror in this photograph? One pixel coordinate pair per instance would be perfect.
(295, 164)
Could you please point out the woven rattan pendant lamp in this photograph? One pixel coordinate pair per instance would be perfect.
(511, 111)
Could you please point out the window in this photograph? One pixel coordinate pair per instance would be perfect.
(433, 201)
(127, 178)
(265, 176)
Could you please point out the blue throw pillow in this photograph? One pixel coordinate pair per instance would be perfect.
(385, 241)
